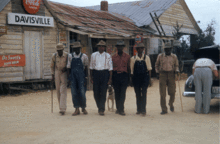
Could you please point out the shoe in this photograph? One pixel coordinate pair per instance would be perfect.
(62, 113)
(163, 112)
(143, 113)
(172, 109)
(84, 111)
(116, 112)
(122, 113)
(101, 113)
(77, 112)
(138, 113)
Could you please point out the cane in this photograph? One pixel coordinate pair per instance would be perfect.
(180, 93)
(51, 96)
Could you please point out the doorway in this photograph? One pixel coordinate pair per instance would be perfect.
(33, 55)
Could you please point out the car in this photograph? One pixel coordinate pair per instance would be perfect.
(211, 52)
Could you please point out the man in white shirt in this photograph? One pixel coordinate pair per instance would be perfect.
(203, 70)
(78, 75)
(101, 75)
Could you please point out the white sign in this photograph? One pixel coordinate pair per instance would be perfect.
(31, 20)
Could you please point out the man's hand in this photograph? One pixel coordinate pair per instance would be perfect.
(109, 82)
(52, 78)
(158, 76)
(64, 70)
(91, 80)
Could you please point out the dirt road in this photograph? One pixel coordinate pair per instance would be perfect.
(27, 119)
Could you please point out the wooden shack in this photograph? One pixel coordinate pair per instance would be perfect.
(27, 41)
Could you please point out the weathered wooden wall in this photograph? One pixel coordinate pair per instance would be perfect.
(50, 40)
(13, 42)
(177, 12)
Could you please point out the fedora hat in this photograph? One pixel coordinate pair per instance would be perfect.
(60, 46)
(101, 43)
(76, 45)
(120, 43)
(168, 45)
(140, 45)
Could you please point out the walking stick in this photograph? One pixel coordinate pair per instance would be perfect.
(180, 93)
(51, 96)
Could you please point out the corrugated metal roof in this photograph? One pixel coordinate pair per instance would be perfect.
(91, 21)
(3, 3)
(138, 11)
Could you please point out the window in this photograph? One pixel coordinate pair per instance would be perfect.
(73, 38)
(160, 45)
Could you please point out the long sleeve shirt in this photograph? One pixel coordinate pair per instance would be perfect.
(101, 61)
(167, 63)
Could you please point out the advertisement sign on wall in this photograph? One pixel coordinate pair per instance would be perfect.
(12, 60)
(31, 6)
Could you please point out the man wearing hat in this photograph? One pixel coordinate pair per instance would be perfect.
(121, 69)
(166, 67)
(78, 77)
(101, 75)
(59, 72)
(141, 77)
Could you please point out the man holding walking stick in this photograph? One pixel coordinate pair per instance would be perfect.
(166, 67)
(59, 74)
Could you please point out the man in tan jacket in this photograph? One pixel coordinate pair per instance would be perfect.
(167, 66)
(59, 72)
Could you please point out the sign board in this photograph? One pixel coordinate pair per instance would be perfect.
(31, 20)
(62, 36)
(138, 39)
(12, 60)
(31, 6)
(3, 30)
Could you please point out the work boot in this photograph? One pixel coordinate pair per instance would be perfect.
(84, 111)
(163, 112)
(122, 113)
(77, 112)
(62, 113)
(143, 113)
(172, 109)
(116, 112)
(138, 113)
(101, 113)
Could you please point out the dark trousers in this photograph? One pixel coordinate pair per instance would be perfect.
(100, 85)
(120, 83)
(141, 83)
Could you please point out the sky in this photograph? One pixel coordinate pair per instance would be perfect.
(203, 10)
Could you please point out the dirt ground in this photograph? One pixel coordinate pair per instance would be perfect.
(27, 119)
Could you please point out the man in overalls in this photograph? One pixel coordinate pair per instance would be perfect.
(59, 72)
(78, 78)
(166, 67)
(141, 77)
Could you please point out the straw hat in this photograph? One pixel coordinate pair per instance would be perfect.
(120, 43)
(168, 45)
(101, 43)
(60, 46)
(140, 45)
(76, 45)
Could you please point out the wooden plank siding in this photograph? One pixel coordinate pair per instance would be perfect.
(13, 41)
(176, 13)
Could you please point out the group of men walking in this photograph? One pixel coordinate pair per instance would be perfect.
(117, 70)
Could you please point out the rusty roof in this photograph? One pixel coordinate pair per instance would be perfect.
(91, 21)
